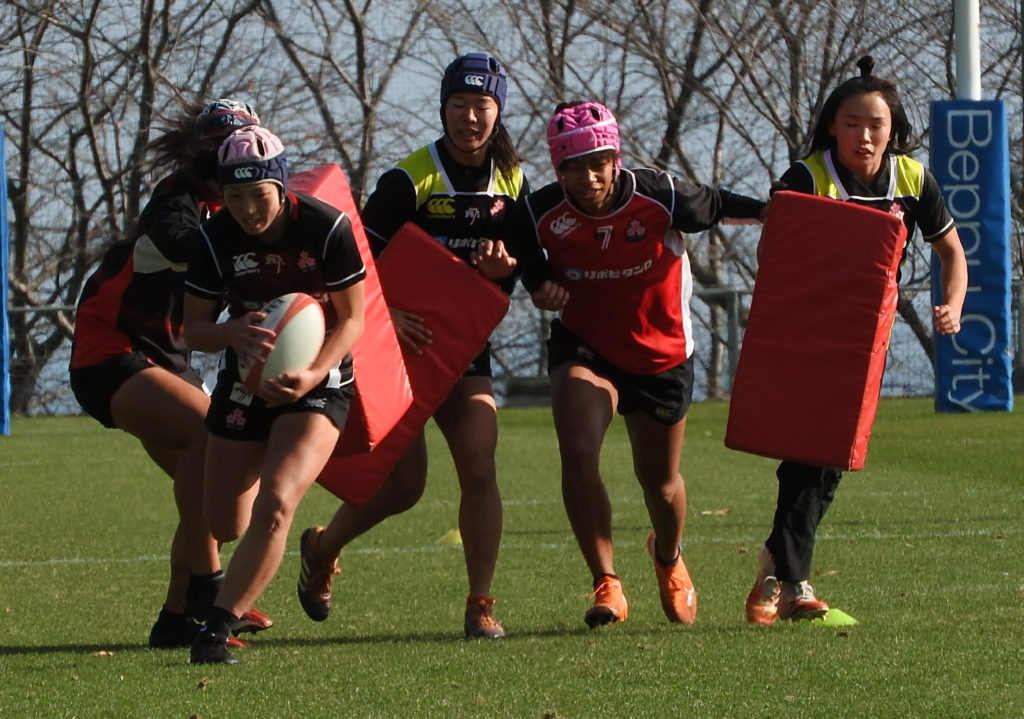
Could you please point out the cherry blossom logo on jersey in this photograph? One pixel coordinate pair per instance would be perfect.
(236, 419)
(497, 207)
(896, 209)
(305, 262)
(564, 224)
(636, 231)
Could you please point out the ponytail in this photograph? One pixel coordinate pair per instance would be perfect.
(503, 152)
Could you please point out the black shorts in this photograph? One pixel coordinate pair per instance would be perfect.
(481, 364)
(665, 396)
(95, 385)
(237, 414)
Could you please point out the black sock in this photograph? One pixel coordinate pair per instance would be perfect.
(201, 593)
(220, 622)
(599, 577)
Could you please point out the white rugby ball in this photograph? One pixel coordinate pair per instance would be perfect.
(298, 322)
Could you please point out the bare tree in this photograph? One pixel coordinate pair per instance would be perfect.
(714, 92)
(344, 59)
(80, 94)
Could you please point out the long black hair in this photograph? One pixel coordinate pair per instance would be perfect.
(901, 140)
(181, 148)
(189, 145)
(502, 150)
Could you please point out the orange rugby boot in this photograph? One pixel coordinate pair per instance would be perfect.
(610, 604)
(678, 597)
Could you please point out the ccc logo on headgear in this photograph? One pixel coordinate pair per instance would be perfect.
(245, 173)
(475, 80)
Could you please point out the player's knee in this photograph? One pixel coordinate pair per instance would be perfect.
(225, 529)
(271, 513)
(477, 471)
(403, 490)
(579, 451)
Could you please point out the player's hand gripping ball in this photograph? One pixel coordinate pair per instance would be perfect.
(298, 322)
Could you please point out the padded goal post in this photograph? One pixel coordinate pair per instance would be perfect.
(813, 354)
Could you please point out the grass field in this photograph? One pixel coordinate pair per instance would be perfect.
(924, 547)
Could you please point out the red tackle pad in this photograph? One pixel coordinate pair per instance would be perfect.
(810, 368)
(382, 385)
(461, 308)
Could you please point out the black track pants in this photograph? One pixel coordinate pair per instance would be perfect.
(805, 493)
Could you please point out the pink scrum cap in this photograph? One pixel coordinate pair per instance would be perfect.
(581, 129)
(252, 154)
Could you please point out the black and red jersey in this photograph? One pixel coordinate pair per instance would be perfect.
(626, 271)
(133, 301)
(317, 254)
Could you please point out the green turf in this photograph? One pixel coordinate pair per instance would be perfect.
(924, 548)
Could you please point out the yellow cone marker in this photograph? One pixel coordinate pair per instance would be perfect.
(452, 538)
(835, 618)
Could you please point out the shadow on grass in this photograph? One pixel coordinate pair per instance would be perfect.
(77, 649)
(636, 631)
(425, 638)
(268, 642)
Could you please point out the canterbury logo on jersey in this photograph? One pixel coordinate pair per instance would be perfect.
(245, 264)
(576, 274)
(440, 207)
(564, 224)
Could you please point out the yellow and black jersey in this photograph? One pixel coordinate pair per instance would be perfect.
(458, 205)
(904, 188)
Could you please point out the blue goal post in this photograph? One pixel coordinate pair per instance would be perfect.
(5, 325)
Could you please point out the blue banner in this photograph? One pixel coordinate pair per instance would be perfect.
(970, 158)
(5, 326)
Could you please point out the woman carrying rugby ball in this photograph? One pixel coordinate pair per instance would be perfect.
(130, 370)
(266, 448)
